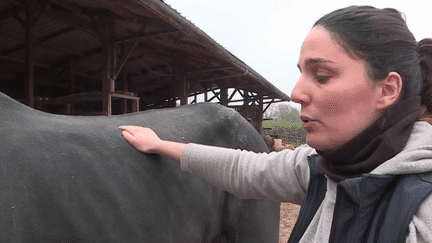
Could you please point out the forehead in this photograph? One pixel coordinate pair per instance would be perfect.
(320, 45)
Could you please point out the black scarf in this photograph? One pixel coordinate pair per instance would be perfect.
(381, 141)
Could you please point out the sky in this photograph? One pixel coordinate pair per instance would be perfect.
(267, 34)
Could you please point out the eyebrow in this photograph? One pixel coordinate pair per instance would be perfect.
(312, 61)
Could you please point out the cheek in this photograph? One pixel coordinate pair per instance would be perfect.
(336, 105)
(331, 107)
(350, 102)
(345, 116)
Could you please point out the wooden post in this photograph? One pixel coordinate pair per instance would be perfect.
(247, 109)
(184, 90)
(260, 111)
(135, 106)
(205, 86)
(172, 96)
(72, 71)
(223, 94)
(106, 28)
(106, 83)
(30, 62)
(68, 109)
(181, 62)
(246, 98)
(124, 102)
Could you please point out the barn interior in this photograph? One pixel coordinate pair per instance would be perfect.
(108, 57)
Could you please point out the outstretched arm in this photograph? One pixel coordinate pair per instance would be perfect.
(146, 141)
(245, 174)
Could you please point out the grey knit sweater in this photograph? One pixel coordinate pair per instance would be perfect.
(284, 177)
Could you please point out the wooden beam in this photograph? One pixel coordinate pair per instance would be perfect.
(19, 19)
(45, 7)
(20, 60)
(71, 19)
(246, 97)
(86, 54)
(260, 111)
(106, 33)
(146, 36)
(91, 97)
(268, 105)
(128, 51)
(30, 59)
(8, 12)
(180, 62)
(72, 71)
(232, 94)
(210, 70)
(205, 87)
(124, 96)
(223, 94)
(67, 5)
(184, 91)
(124, 102)
(225, 77)
(55, 82)
(36, 44)
(172, 96)
(215, 95)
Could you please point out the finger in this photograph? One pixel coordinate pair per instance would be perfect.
(129, 137)
(130, 129)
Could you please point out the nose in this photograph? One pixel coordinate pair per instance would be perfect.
(300, 93)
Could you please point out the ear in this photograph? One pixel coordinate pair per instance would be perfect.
(390, 89)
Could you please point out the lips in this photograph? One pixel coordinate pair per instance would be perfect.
(306, 119)
(308, 122)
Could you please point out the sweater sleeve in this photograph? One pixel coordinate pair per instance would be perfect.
(420, 228)
(278, 176)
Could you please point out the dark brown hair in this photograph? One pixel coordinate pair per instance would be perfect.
(382, 38)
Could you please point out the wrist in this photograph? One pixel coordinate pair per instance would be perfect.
(171, 149)
(159, 147)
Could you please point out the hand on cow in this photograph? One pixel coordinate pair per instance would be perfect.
(142, 138)
(147, 141)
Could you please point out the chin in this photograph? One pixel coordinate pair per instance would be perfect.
(314, 142)
(317, 146)
(321, 144)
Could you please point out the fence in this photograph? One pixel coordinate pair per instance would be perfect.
(252, 114)
(288, 135)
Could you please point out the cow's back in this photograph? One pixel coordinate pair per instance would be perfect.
(75, 179)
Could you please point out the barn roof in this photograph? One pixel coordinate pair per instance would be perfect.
(149, 42)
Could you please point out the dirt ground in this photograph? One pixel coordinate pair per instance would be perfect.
(288, 217)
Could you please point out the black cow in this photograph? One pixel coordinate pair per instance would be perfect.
(75, 179)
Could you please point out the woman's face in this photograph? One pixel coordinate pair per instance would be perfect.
(338, 98)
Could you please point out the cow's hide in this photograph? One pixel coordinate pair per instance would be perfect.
(75, 179)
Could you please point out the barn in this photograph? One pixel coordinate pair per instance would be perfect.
(107, 57)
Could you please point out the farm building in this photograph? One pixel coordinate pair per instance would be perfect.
(104, 57)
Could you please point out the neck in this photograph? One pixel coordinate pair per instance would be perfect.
(379, 142)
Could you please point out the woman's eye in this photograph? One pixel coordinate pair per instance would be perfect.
(321, 75)
(321, 78)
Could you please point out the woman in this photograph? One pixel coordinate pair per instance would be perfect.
(366, 173)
